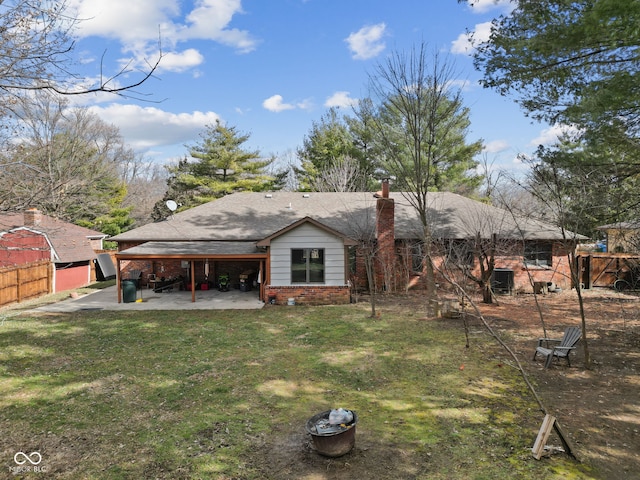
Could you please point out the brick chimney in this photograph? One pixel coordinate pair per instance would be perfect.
(32, 217)
(385, 234)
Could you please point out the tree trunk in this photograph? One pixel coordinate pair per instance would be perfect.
(487, 294)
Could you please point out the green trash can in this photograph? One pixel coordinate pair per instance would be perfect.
(129, 291)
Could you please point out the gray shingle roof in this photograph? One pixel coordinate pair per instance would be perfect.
(197, 249)
(621, 226)
(254, 216)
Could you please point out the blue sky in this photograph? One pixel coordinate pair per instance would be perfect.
(272, 67)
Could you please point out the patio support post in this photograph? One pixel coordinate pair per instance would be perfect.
(261, 273)
(193, 281)
(118, 274)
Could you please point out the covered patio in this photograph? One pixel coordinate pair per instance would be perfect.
(207, 254)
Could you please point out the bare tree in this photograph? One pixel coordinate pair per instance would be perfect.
(146, 184)
(475, 259)
(420, 127)
(35, 53)
(515, 361)
(340, 175)
(550, 187)
(68, 163)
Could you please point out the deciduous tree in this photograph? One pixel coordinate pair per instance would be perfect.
(68, 164)
(420, 128)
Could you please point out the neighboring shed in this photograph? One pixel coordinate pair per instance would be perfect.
(622, 237)
(31, 236)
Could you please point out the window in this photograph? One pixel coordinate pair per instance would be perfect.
(538, 254)
(307, 265)
(417, 257)
(460, 253)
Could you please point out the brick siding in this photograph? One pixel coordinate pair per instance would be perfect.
(308, 294)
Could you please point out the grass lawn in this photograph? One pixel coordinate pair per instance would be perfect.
(226, 395)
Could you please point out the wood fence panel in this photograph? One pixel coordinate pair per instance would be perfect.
(603, 269)
(23, 282)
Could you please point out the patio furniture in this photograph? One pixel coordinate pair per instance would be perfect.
(563, 348)
(168, 284)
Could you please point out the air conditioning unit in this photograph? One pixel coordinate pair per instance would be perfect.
(502, 280)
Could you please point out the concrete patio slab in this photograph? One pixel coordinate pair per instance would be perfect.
(107, 299)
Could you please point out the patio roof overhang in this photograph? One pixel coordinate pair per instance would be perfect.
(194, 250)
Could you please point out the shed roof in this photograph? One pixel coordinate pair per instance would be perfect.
(621, 226)
(71, 243)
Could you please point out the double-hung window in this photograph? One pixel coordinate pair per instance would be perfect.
(537, 253)
(307, 265)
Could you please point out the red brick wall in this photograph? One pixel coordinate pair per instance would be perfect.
(385, 264)
(559, 273)
(309, 295)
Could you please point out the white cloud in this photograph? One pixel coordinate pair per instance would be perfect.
(130, 22)
(139, 25)
(209, 21)
(180, 62)
(483, 6)
(148, 127)
(275, 103)
(460, 84)
(551, 135)
(340, 99)
(496, 146)
(367, 42)
(306, 104)
(465, 43)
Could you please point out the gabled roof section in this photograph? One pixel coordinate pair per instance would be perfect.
(54, 254)
(71, 243)
(265, 242)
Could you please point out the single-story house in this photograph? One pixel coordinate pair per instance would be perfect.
(312, 246)
(622, 237)
(31, 236)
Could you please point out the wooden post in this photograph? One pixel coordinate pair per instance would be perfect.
(565, 441)
(19, 284)
(193, 281)
(548, 423)
(543, 436)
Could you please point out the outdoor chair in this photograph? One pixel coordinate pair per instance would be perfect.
(563, 346)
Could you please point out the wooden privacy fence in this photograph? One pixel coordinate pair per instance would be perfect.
(22, 282)
(603, 269)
